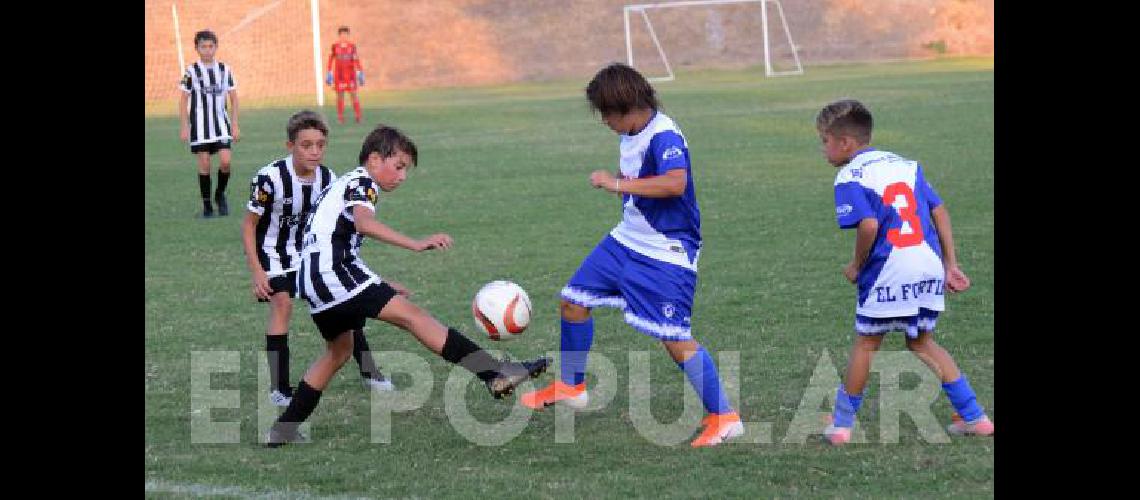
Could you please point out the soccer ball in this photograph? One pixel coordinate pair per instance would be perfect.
(501, 310)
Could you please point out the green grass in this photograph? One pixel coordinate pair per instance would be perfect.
(504, 171)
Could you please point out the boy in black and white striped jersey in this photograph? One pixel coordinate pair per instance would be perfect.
(281, 195)
(205, 122)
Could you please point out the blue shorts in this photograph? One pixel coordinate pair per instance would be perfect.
(924, 321)
(657, 297)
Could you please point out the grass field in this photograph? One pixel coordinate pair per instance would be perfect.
(504, 171)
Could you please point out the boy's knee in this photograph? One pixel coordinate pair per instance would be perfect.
(869, 342)
(921, 343)
(574, 312)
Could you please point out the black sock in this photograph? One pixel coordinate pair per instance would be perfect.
(304, 401)
(462, 351)
(204, 187)
(363, 355)
(223, 181)
(277, 353)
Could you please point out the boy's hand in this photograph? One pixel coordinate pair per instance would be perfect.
(851, 272)
(399, 288)
(603, 180)
(261, 288)
(441, 241)
(956, 280)
(184, 133)
(237, 133)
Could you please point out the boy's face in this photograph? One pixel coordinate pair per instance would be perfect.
(388, 172)
(343, 36)
(622, 124)
(206, 49)
(837, 149)
(309, 148)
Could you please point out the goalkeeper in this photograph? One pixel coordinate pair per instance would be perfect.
(345, 73)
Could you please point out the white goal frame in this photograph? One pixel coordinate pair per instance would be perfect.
(641, 8)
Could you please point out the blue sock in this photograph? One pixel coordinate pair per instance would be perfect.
(962, 397)
(846, 406)
(576, 340)
(702, 375)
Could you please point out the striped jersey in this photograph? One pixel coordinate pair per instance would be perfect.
(904, 270)
(331, 269)
(207, 86)
(665, 229)
(283, 200)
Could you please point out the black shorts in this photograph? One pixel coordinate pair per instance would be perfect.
(210, 147)
(286, 283)
(350, 314)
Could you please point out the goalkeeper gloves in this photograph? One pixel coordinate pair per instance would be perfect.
(360, 78)
(328, 78)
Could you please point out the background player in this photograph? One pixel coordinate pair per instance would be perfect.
(204, 120)
(344, 73)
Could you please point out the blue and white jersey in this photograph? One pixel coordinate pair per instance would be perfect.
(665, 229)
(904, 271)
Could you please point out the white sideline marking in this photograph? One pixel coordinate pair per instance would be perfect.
(196, 489)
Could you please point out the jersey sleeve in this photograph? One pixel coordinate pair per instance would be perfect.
(668, 148)
(851, 204)
(186, 84)
(260, 194)
(926, 190)
(360, 192)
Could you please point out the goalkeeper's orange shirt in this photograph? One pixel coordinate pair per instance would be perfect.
(344, 61)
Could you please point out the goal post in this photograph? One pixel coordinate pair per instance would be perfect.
(766, 34)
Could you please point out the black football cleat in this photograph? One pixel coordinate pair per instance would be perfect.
(513, 373)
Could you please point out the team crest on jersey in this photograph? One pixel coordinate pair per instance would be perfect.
(668, 309)
(371, 194)
(672, 152)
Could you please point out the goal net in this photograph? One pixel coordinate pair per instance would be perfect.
(661, 37)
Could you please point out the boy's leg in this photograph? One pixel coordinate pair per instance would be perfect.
(371, 374)
(340, 106)
(594, 284)
(500, 377)
(577, 335)
(277, 347)
(849, 395)
(224, 156)
(308, 393)
(356, 106)
(972, 417)
(722, 422)
(204, 183)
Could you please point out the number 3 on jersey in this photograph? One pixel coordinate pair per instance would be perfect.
(901, 197)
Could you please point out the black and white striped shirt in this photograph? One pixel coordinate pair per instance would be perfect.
(207, 86)
(284, 201)
(331, 268)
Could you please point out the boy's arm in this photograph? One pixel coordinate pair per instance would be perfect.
(249, 242)
(669, 185)
(956, 280)
(864, 238)
(367, 225)
(234, 108)
(183, 119)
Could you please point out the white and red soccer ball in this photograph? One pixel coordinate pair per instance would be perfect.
(501, 310)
